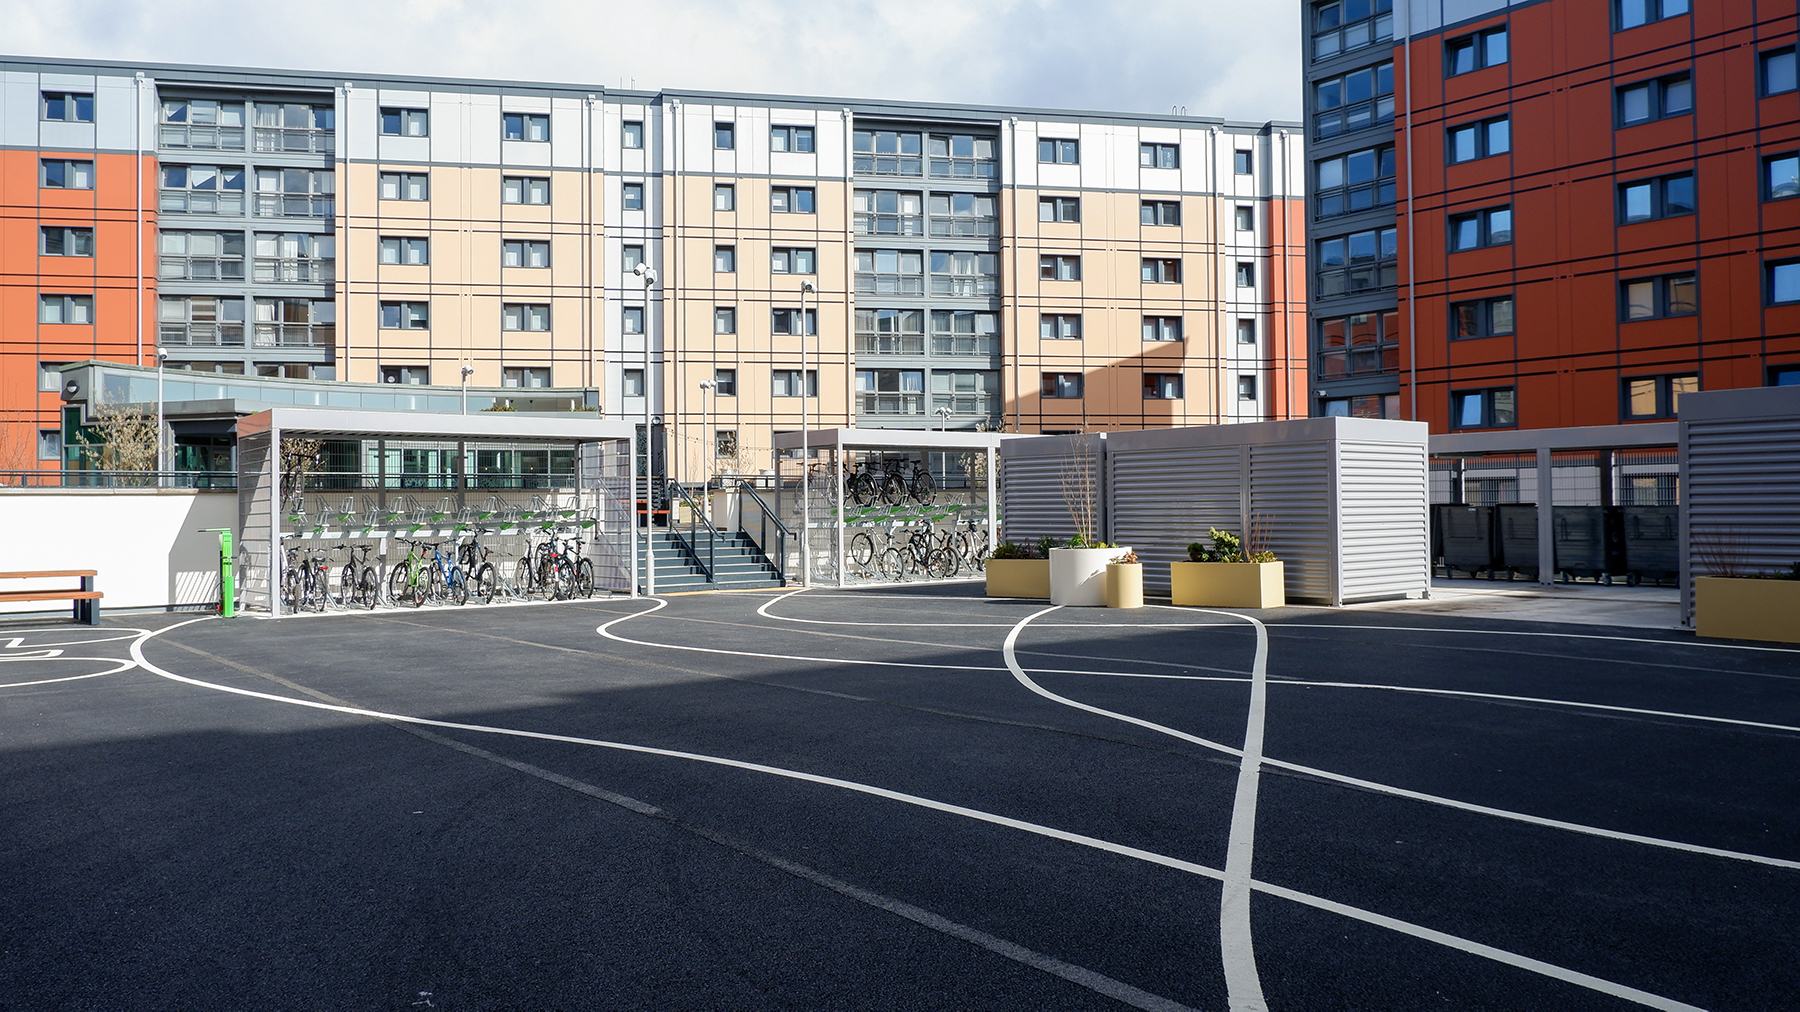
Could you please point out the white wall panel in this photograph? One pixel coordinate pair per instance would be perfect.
(145, 543)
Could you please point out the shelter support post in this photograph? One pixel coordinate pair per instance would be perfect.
(1546, 496)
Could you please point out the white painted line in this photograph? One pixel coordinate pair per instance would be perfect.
(15, 642)
(1242, 985)
(1149, 857)
(124, 665)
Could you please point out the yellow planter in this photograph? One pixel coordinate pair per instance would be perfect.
(1018, 578)
(1739, 609)
(1227, 584)
(1124, 585)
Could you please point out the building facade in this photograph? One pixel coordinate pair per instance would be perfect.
(897, 264)
(1550, 213)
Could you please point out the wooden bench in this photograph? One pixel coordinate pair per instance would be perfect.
(86, 598)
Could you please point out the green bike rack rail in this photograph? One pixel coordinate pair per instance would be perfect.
(227, 584)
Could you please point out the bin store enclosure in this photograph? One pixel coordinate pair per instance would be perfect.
(1342, 500)
(382, 475)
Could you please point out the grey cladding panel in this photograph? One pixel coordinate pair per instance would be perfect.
(1381, 497)
(1743, 491)
(1162, 499)
(1290, 498)
(1031, 505)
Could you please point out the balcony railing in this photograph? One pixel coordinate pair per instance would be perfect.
(1364, 361)
(182, 135)
(868, 223)
(1354, 117)
(890, 344)
(1361, 197)
(963, 168)
(965, 344)
(865, 164)
(201, 335)
(890, 284)
(966, 404)
(323, 142)
(200, 202)
(975, 228)
(296, 335)
(1364, 278)
(200, 268)
(890, 404)
(274, 271)
(946, 284)
(283, 205)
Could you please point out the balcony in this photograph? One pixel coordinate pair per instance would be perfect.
(201, 335)
(867, 223)
(965, 344)
(200, 269)
(866, 164)
(967, 404)
(298, 271)
(890, 344)
(890, 404)
(890, 284)
(282, 205)
(200, 202)
(183, 135)
(952, 167)
(964, 228)
(296, 140)
(964, 287)
(1363, 278)
(315, 336)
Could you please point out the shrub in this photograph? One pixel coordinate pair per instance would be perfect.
(1009, 550)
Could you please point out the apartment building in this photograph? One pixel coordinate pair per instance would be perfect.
(882, 263)
(1549, 213)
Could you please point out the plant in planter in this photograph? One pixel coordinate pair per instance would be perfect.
(1125, 581)
(1018, 570)
(1230, 574)
(1078, 570)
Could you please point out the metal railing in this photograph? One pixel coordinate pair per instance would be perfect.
(81, 478)
(296, 205)
(967, 404)
(201, 335)
(965, 344)
(871, 223)
(270, 270)
(963, 168)
(213, 137)
(890, 344)
(200, 268)
(866, 164)
(890, 284)
(890, 403)
(200, 202)
(696, 519)
(322, 142)
(962, 227)
(964, 285)
(296, 335)
(767, 516)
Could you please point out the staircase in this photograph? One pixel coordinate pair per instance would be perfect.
(737, 564)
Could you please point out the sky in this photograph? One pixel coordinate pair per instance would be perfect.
(1237, 60)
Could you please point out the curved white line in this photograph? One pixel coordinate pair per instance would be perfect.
(48, 654)
(1122, 850)
(18, 642)
(124, 665)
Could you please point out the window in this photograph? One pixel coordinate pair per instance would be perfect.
(964, 332)
(631, 196)
(890, 331)
(1784, 376)
(631, 383)
(791, 199)
(1354, 182)
(631, 319)
(405, 316)
(1343, 25)
(405, 250)
(525, 376)
(57, 174)
(631, 134)
(1654, 396)
(793, 260)
(1246, 275)
(1060, 326)
(297, 193)
(404, 123)
(1632, 13)
(965, 274)
(1474, 52)
(58, 241)
(50, 377)
(524, 253)
(724, 259)
(630, 257)
(1241, 160)
(1161, 271)
(1162, 328)
(1361, 406)
(890, 391)
(724, 320)
(1246, 330)
(1663, 197)
(1658, 99)
(1359, 262)
(787, 321)
(725, 382)
(1471, 141)
(405, 186)
(415, 375)
(1781, 176)
(891, 212)
(49, 444)
(1159, 212)
(219, 322)
(202, 189)
(201, 123)
(65, 309)
(1777, 71)
(890, 272)
(1059, 209)
(1162, 386)
(963, 214)
(962, 156)
(1058, 152)
(67, 107)
(1492, 227)
(521, 126)
(724, 197)
(1246, 388)
(786, 383)
(1059, 268)
(1062, 385)
(524, 316)
(1361, 344)
(724, 136)
(1654, 298)
(1245, 218)
(1483, 409)
(289, 370)
(524, 190)
(1357, 100)
(1481, 318)
(791, 138)
(1159, 156)
(965, 391)
(886, 153)
(725, 443)
(1783, 281)
(219, 256)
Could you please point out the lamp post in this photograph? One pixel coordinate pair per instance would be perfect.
(648, 274)
(162, 357)
(805, 451)
(943, 413)
(706, 437)
(467, 371)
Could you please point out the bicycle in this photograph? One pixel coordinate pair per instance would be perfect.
(357, 582)
(306, 583)
(445, 578)
(407, 583)
(473, 557)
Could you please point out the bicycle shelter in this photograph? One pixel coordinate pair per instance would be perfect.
(332, 477)
(882, 484)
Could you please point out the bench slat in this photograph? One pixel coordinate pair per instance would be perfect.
(49, 573)
(50, 595)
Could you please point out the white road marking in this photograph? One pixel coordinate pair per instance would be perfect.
(1122, 850)
(124, 665)
(14, 642)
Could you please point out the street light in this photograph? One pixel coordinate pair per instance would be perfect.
(162, 357)
(805, 452)
(943, 413)
(648, 274)
(706, 436)
(467, 371)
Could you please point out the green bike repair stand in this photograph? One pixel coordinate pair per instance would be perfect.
(227, 587)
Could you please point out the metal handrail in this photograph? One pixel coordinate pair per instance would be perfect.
(687, 540)
(782, 532)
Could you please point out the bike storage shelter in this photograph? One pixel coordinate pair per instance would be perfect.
(814, 493)
(382, 475)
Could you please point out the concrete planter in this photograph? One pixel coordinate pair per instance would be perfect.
(1227, 584)
(1124, 585)
(1740, 609)
(1078, 575)
(1018, 578)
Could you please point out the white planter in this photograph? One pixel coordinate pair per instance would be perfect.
(1078, 575)
(725, 510)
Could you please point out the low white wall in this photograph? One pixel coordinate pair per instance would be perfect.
(145, 543)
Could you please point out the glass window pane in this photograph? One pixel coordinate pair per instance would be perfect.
(1678, 195)
(1495, 43)
(1640, 300)
(1499, 136)
(1461, 56)
(1678, 96)
(1462, 144)
(1465, 233)
(1637, 202)
(1679, 385)
(1634, 104)
(1503, 407)
(1778, 72)
(1500, 226)
(1500, 313)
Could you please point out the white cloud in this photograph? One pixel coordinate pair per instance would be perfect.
(1215, 57)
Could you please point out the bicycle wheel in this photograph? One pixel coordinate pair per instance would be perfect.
(943, 563)
(893, 490)
(347, 584)
(924, 489)
(559, 579)
(459, 586)
(399, 583)
(584, 578)
(368, 588)
(318, 589)
(860, 489)
(292, 584)
(522, 577)
(486, 583)
(434, 584)
(893, 565)
(862, 549)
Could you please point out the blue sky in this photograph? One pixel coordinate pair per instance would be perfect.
(1215, 58)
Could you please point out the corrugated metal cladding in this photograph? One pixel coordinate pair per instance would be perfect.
(1291, 505)
(1163, 499)
(1032, 502)
(1382, 496)
(255, 534)
(1740, 486)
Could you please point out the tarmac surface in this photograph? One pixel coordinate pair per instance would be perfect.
(897, 799)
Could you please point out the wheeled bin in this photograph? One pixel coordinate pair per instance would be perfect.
(1578, 537)
(1468, 537)
(1652, 543)
(1518, 539)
